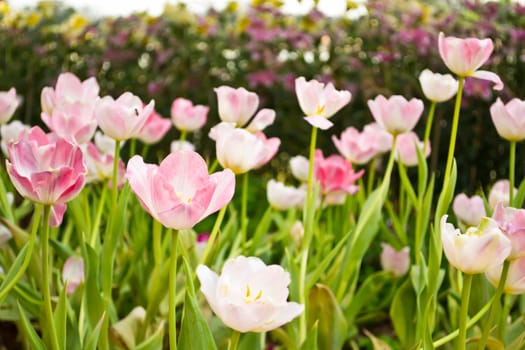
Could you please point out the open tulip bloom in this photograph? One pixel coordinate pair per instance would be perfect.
(395, 114)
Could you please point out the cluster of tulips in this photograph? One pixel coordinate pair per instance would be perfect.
(320, 230)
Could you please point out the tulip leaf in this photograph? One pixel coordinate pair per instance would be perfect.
(311, 341)
(91, 300)
(154, 342)
(406, 185)
(194, 331)
(366, 293)
(61, 249)
(92, 340)
(262, 228)
(324, 309)
(402, 313)
(30, 333)
(60, 317)
(377, 343)
(14, 273)
(520, 195)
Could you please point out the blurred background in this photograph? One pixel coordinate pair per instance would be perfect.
(176, 49)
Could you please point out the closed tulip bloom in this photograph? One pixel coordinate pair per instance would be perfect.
(45, 168)
(9, 102)
(515, 282)
(511, 222)
(155, 128)
(406, 151)
(123, 118)
(396, 262)
(500, 193)
(249, 296)
(282, 197)
(10, 132)
(478, 249)
(469, 210)
(361, 147)
(178, 145)
(509, 119)
(186, 116)
(236, 105)
(396, 115)
(299, 166)
(73, 273)
(179, 192)
(465, 56)
(319, 101)
(438, 87)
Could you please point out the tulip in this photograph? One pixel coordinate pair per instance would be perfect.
(11, 132)
(319, 102)
(155, 128)
(406, 151)
(57, 214)
(393, 261)
(511, 222)
(515, 281)
(438, 87)
(478, 249)
(179, 192)
(178, 145)
(358, 147)
(469, 210)
(396, 115)
(500, 193)
(9, 102)
(123, 118)
(186, 116)
(100, 165)
(105, 144)
(249, 296)
(201, 242)
(509, 119)
(73, 273)
(282, 197)
(236, 105)
(45, 168)
(299, 166)
(465, 56)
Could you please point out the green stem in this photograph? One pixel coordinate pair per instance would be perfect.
(96, 229)
(173, 292)
(430, 120)
(244, 206)
(50, 333)
(211, 241)
(5, 203)
(371, 175)
(463, 314)
(454, 132)
(183, 135)
(512, 165)
(234, 340)
(132, 147)
(497, 296)
(157, 243)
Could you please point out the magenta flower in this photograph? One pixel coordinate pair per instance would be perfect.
(358, 147)
(9, 102)
(179, 192)
(396, 262)
(319, 102)
(406, 152)
(186, 116)
(509, 119)
(155, 128)
(45, 168)
(465, 56)
(511, 222)
(469, 211)
(396, 115)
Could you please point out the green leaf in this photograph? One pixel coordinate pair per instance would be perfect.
(310, 343)
(367, 292)
(520, 195)
(406, 185)
(377, 343)
(402, 313)
(92, 340)
(30, 333)
(194, 330)
(155, 341)
(15, 273)
(262, 228)
(91, 300)
(60, 317)
(324, 309)
(61, 249)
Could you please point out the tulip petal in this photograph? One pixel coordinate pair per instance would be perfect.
(490, 76)
(319, 122)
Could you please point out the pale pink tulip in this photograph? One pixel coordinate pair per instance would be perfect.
(100, 166)
(282, 197)
(360, 148)
(396, 115)
(438, 87)
(406, 151)
(106, 144)
(179, 192)
(249, 296)
(155, 128)
(123, 118)
(500, 193)
(469, 210)
(465, 56)
(262, 119)
(515, 282)
(299, 166)
(319, 102)
(509, 119)
(478, 249)
(73, 273)
(186, 116)
(45, 168)
(178, 145)
(393, 261)
(9, 102)
(11, 132)
(236, 105)
(511, 222)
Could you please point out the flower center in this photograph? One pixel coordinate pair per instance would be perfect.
(248, 297)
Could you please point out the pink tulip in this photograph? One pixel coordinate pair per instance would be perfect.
(515, 282)
(73, 273)
(57, 214)
(236, 105)
(123, 118)
(500, 193)
(249, 296)
(469, 210)
(299, 166)
(406, 151)
(358, 147)
(465, 56)
(100, 166)
(201, 242)
(68, 110)
(45, 168)
(396, 262)
(438, 87)
(9, 102)
(155, 128)
(179, 192)
(262, 119)
(187, 117)
(178, 145)
(511, 222)
(282, 197)
(106, 144)
(319, 102)
(11, 132)
(478, 249)
(509, 119)
(396, 115)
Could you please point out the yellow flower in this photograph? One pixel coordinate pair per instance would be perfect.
(4, 8)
